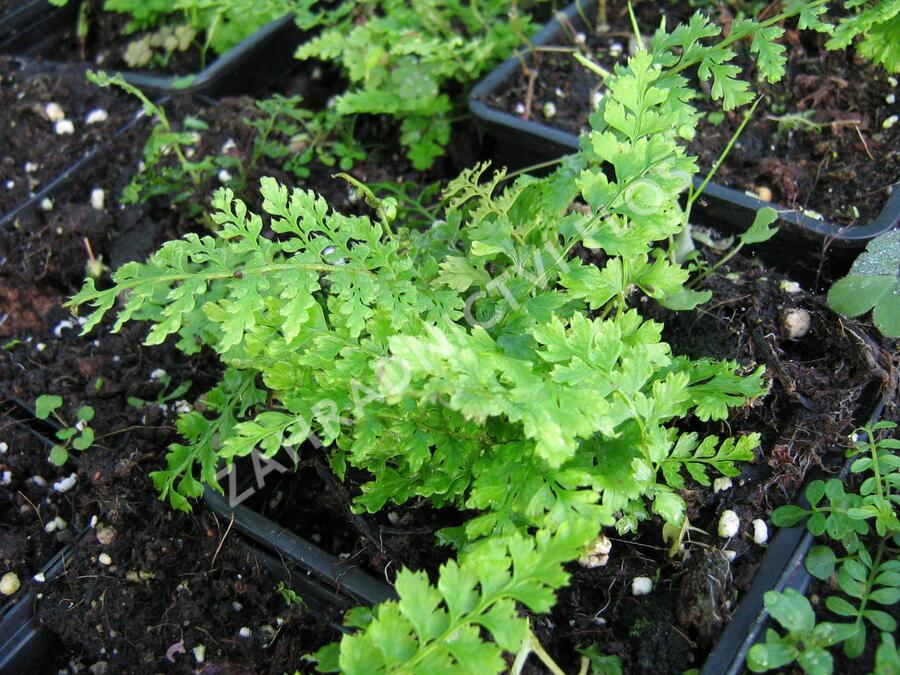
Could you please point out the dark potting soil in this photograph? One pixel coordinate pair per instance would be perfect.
(175, 580)
(822, 385)
(817, 140)
(33, 152)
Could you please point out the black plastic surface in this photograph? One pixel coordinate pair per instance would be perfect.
(341, 574)
(25, 646)
(781, 568)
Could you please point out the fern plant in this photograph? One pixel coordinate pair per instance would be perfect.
(403, 59)
(338, 308)
(476, 363)
(876, 26)
(442, 627)
(284, 133)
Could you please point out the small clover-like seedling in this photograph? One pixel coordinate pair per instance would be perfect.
(864, 524)
(291, 597)
(166, 394)
(805, 641)
(873, 283)
(78, 436)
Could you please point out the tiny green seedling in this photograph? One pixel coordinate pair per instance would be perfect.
(799, 121)
(600, 663)
(181, 181)
(78, 436)
(290, 595)
(165, 395)
(805, 642)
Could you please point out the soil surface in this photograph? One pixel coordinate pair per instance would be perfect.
(817, 140)
(33, 150)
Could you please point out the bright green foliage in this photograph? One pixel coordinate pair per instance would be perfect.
(283, 132)
(293, 136)
(291, 598)
(805, 642)
(860, 523)
(440, 628)
(687, 47)
(476, 363)
(402, 58)
(873, 281)
(179, 180)
(878, 25)
(78, 436)
(600, 663)
(463, 354)
(887, 656)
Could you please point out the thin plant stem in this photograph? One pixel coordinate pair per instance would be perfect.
(531, 645)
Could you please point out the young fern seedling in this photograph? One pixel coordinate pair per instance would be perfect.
(295, 136)
(180, 182)
(402, 59)
(165, 395)
(78, 436)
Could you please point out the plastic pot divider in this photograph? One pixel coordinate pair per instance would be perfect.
(781, 567)
(24, 644)
(521, 143)
(40, 27)
(341, 574)
(26, 23)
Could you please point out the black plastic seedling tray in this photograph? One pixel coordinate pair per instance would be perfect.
(797, 249)
(37, 27)
(17, 19)
(24, 645)
(346, 580)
